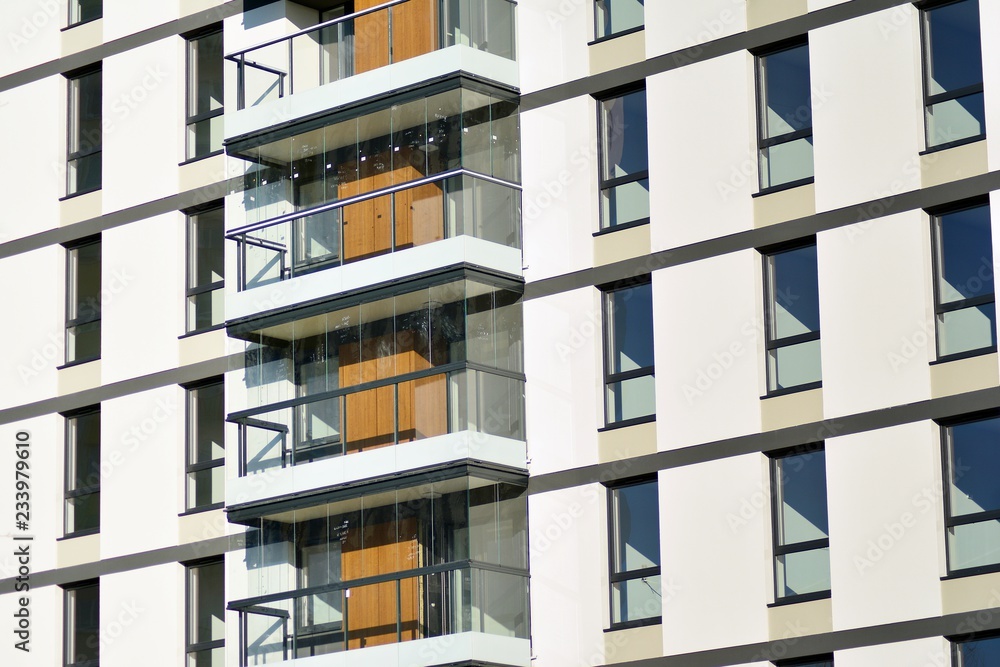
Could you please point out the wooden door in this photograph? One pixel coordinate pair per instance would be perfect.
(414, 29)
(371, 37)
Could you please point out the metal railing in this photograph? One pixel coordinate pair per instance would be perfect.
(368, 39)
(404, 606)
(454, 203)
(406, 408)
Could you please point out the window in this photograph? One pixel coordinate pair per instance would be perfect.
(975, 651)
(624, 161)
(82, 609)
(83, 157)
(822, 661)
(953, 74)
(83, 301)
(972, 502)
(800, 528)
(635, 554)
(206, 269)
(204, 94)
(615, 17)
(964, 299)
(206, 603)
(83, 471)
(791, 308)
(206, 472)
(628, 363)
(784, 121)
(82, 11)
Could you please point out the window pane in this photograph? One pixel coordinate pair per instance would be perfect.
(966, 329)
(85, 110)
(786, 89)
(213, 657)
(625, 203)
(631, 399)
(979, 652)
(614, 16)
(83, 512)
(624, 142)
(206, 487)
(794, 292)
(83, 342)
(786, 163)
(636, 526)
(794, 365)
(85, 451)
(630, 335)
(84, 10)
(84, 173)
(801, 496)
(82, 624)
(974, 545)
(208, 252)
(205, 93)
(206, 423)
(954, 54)
(206, 603)
(636, 599)
(965, 255)
(803, 572)
(952, 120)
(973, 464)
(85, 282)
(205, 136)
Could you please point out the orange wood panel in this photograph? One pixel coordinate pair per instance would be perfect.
(414, 29)
(419, 216)
(371, 37)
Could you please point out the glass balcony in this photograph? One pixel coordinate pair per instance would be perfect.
(439, 359)
(430, 558)
(452, 204)
(358, 419)
(367, 40)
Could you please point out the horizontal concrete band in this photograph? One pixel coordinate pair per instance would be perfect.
(178, 554)
(744, 41)
(759, 238)
(121, 45)
(800, 647)
(81, 399)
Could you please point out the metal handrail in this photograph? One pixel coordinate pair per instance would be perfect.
(374, 194)
(320, 26)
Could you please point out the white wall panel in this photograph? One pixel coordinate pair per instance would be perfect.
(142, 614)
(706, 327)
(702, 157)
(552, 38)
(886, 525)
(876, 313)
(31, 33)
(676, 25)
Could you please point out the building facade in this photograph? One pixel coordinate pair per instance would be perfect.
(503, 334)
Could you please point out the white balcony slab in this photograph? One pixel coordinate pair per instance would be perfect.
(367, 85)
(446, 650)
(393, 266)
(378, 463)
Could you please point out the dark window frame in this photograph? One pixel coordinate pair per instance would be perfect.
(776, 344)
(949, 521)
(189, 567)
(72, 79)
(618, 577)
(778, 549)
(761, 105)
(930, 100)
(70, 23)
(940, 309)
(957, 641)
(190, 76)
(612, 183)
(68, 590)
(611, 378)
(811, 661)
(70, 493)
(190, 396)
(71, 279)
(192, 291)
(611, 35)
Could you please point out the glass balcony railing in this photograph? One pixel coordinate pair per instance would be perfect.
(428, 602)
(447, 205)
(377, 414)
(369, 39)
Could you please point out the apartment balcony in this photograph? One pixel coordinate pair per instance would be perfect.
(436, 566)
(377, 49)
